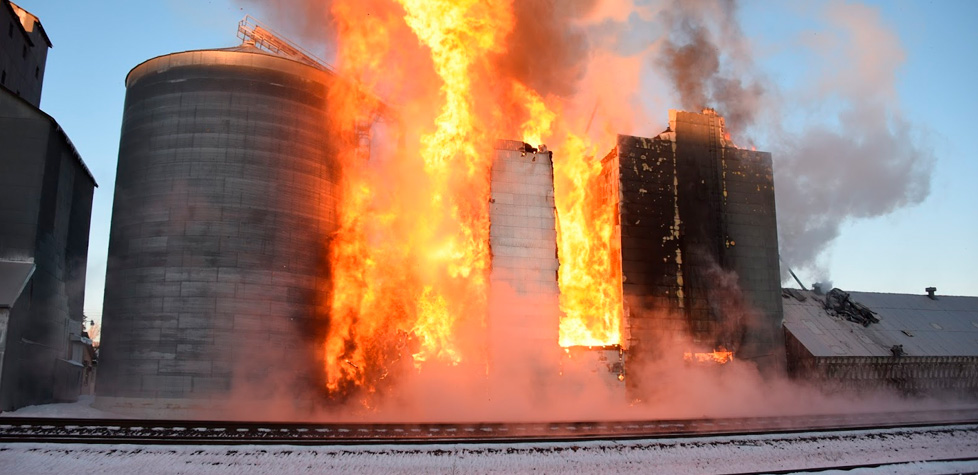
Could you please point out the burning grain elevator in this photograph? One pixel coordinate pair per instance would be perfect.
(225, 202)
(224, 199)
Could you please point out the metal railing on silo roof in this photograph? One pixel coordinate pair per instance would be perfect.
(250, 29)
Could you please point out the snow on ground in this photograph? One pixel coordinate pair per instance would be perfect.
(81, 409)
(905, 450)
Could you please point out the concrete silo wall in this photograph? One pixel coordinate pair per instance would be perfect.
(224, 202)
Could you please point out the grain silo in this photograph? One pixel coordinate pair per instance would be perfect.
(699, 243)
(224, 202)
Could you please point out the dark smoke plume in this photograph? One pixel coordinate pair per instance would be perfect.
(869, 163)
(545, 51)
(694, 57)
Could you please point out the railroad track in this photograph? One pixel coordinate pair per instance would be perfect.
(134, 431)
(880, 467)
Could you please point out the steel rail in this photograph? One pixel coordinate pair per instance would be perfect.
(141, 431)
(881, 466)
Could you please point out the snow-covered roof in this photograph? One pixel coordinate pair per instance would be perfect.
(945, 326)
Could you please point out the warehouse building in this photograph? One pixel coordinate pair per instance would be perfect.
(918, 344)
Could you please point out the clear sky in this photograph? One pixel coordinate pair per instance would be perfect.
(931, 244)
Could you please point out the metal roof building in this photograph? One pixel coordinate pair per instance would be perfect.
(913, 342)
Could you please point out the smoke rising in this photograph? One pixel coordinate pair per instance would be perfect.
(871, 162)
(851, 153)
(593, 62)
(545, 51)
(704, 64)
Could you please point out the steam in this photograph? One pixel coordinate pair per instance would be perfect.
(860, 159)
(874, 162)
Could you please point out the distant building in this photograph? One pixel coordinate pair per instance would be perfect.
(699, 243)
(23, 52)
(45, 213)
(868, 340)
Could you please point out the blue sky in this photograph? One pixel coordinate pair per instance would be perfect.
(931, 244)
(935, 243)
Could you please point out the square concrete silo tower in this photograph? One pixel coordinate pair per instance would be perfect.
(699, 242)
(524, 297)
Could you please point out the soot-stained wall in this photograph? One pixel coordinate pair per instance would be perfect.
(699, 242)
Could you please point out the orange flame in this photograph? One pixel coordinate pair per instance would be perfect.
(407, 273)
(409, 261)
(541, 118)
(719, 356)
(589, 275)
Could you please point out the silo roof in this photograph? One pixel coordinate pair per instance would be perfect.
(241, 55)
(945, 326)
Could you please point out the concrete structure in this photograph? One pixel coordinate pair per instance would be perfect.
(45, 212)
(916, 344)
(524, 297)
(224, 204)
(699, 244)
(23, 52)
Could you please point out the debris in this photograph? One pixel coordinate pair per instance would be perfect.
(793, 293)
(838, 303)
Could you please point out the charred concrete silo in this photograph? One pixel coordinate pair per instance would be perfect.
(224, 202)
(699, 242)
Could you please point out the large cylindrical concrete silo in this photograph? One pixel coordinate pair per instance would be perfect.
(224, 201)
